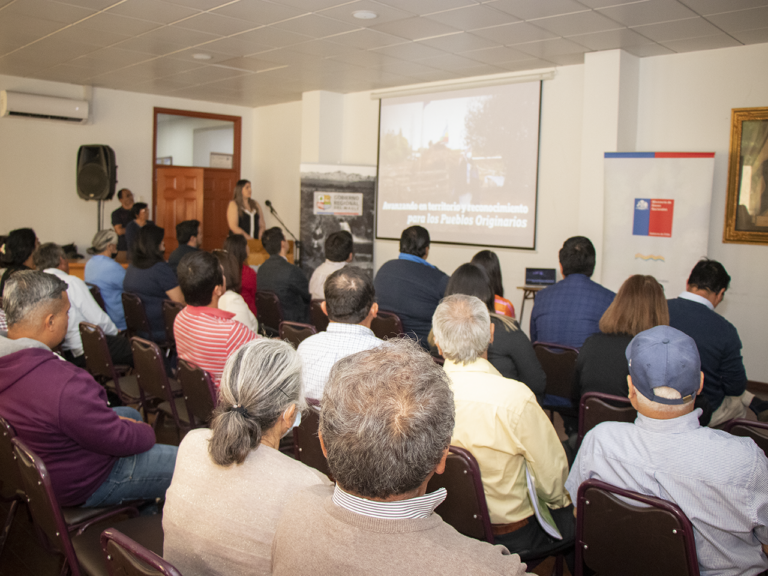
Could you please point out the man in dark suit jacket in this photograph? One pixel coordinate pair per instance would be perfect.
(283, 278)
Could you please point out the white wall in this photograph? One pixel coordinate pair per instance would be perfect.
(38, 157)
(207, 140)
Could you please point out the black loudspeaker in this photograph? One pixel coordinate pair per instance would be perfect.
(96, 172)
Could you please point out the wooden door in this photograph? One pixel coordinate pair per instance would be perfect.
(219, 190)
(179, 197)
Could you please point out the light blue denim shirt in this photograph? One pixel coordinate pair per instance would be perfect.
(108, 275)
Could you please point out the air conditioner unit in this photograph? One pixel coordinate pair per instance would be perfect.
(46, 107)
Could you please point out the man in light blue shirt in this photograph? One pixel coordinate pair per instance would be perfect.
(350, 308)
(720, 481)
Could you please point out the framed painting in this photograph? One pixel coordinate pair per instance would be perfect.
(746, 210)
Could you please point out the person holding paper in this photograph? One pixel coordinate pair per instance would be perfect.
(499, 421)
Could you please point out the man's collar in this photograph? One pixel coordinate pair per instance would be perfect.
(479, 365)
(56, 272)
(208, 311)
(419, 507)
(684, 423)
(413, 258)
(696, 298)
(348, 328)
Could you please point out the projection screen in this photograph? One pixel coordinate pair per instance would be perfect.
(463, 164)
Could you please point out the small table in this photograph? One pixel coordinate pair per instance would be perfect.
(529, 293)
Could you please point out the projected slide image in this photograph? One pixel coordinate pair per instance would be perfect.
(462, 164)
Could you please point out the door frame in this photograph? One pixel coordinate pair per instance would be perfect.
(237, 120)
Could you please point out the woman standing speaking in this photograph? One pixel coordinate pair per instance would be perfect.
(244, 214)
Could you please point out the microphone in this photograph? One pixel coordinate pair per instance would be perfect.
(269, 205)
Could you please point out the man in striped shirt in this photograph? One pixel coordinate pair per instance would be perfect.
(204, 334)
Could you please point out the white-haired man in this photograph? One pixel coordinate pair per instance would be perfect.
(499, 421)
(718, 480)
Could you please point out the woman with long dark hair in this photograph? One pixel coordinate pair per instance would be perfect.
(17, 253)
(244, 215)
(489, 262)
(237, 245)
(140, 215)
(232, 301)
(149, 277)
(510, 352)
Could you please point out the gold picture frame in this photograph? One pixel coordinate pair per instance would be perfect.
(746, 207)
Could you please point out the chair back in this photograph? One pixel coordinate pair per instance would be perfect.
(199, 393)
(42, 503)
(614, 536)
(135, 315)
(98, 360)
(126, 557)
(596, 407)
(170, 310)
(464, 507)
(318, 317)
(96, 293)
(306, 443)
(559, 364)
(269, 312)
(387, 325)
(296, 332)
(758, 431)
(11, 484)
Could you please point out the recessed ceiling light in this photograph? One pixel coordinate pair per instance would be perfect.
(202, 56)
(365, 15)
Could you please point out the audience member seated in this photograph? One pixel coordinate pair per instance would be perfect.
(96, 456)
(283, 278)
(237, 245)
(385, 426)
(50, 258)
(339, 251)
(108, 275)
(410, 286)
(350, 308)
(189, 238)
(231, 482)
(489, 262)
(120, 220)
(204, 334)
(499, 421)
(569, 312)
(150, 277)
(693, 312)
(17, 253)
(510, 352)
(140, 215)
(232, 301)
(718, 480)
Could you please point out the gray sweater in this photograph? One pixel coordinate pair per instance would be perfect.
(315, 536)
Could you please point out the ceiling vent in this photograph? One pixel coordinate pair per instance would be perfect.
(44, 107)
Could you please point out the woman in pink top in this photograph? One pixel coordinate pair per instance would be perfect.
(489, 262)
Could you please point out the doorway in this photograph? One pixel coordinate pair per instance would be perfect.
(196, 164)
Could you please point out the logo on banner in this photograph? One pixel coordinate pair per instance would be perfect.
(653, 217)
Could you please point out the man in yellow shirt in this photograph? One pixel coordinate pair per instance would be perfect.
(499, 421)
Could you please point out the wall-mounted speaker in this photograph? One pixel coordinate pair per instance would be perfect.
(96, 172)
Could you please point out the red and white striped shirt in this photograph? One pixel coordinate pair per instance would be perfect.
(207, 336)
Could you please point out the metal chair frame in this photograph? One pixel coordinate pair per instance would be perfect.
(268, 308)
(199, 393)
(96, 293)
(170, 309)
(98, 361)
(126, 557)
(591, 400)
(387, 325)
(319, 318)
(757, 431)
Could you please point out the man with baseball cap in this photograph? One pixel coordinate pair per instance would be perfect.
(720, 481)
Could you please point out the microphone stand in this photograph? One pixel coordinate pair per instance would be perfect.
(297, 242)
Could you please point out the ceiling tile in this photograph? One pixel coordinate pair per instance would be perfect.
(427, 6)
(181, 36)
(751, 19)
(385, 13)
(415, 28)
(365, 58)
(546, 48)
(452, 62)
(167, 66)
(215, 24)
(646, 50)
(678, 29)
(322, 48)
(530, 64)
(65, 73)
(117, 58)
(366, 39)
(566, 59)
(272, 37)
(53, 11)
(605, 3)
(578, 23)
(530, 9)
(22, 29)
(56, 51)
(233, 46)
(249, 64)
(752, 36)
(160, 85)
(258, 11)
(472, 17)
(410, 51)
(100, 38)
(189, 53)
(285, 56)
(208, 74)
(106, 22)
(707, 7)
(311, 5)
(437, 76)
(648, 12)
(704, 43)
(610, 40)
(153, 46)
(496, 55)
(91, 4)
(315, 26)
(516, 33)
(153, 10)
(94, 67)
(200, 4)
(407, 68)
(459, 42)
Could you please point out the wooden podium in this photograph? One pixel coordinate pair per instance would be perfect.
(258, 255)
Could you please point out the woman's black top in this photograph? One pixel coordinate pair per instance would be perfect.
(244, 221)
(602, 365)
(511, 353)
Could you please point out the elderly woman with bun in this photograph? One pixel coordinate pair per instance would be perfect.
(231, 482)
(108, 275)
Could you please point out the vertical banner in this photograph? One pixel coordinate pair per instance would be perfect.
(657, 208)
(336, 198)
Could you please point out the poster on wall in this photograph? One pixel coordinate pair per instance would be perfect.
(657, 208)
(336, 198)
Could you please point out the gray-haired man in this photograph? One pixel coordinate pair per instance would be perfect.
(386, 422)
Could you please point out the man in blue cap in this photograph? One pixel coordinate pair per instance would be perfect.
(718, 480)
